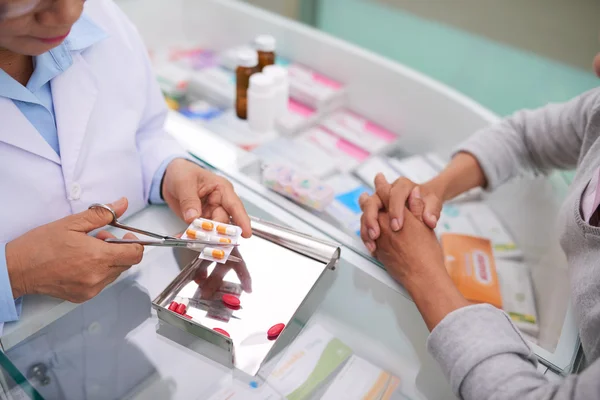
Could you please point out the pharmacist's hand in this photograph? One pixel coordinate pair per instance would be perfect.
(61, 260)
(423, 202)
(192, 191)
(413, 253)
(210, 284)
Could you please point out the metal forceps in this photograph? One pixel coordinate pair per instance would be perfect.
(164, 240)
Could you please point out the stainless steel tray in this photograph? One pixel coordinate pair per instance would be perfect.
(290, 274)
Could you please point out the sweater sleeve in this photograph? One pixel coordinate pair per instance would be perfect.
(533, 141)
(484, 356)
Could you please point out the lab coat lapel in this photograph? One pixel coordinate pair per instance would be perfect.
(74, 94)
(16, 130)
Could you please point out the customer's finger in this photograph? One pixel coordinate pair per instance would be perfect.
(433, 210)
(370, 230)
(397, 203)
(415, 203)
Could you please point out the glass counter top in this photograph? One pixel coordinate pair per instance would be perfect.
(109, 348)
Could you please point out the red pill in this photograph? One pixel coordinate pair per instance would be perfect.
(231, 300)
(187, 316)
(222, 332)
(173, 306)
(181, 309)
(275, 331)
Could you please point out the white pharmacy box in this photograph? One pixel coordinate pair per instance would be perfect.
(302, 156)
(376, 165)
(517, 295)
(215, 84)
(346, 155)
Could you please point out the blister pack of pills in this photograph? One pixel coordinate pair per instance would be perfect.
(297, 186)
(217, 232)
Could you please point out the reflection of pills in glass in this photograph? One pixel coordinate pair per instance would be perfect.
(231, 300)
(222, 332)
(182, 307)
(187, 316)
(173, 306)
(275, 331)
(214, 253)
(206, 225)
(226, 230)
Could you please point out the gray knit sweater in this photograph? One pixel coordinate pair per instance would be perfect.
(478, 347)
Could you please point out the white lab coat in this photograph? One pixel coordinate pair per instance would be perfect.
(110, 116)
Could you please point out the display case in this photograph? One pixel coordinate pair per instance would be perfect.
(402, 113)
(117, 346)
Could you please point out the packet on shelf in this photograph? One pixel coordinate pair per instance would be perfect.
(344, 154)
(200, 110)
(216, 85)
(477, 219)
(345, 208)
(297, 186)
(303, 156)
(298, 118)
(517, 295)
(198, 59)
(213, 231)
(308, 364)
(470, 263)
(359, 379)
(173, 80)
(376, 165)
(237, 131)
(313, 89)
(360, 131)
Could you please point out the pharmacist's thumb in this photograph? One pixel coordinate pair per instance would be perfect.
(189, 202)
(97, 216)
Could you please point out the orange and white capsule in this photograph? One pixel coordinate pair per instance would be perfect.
(196, 235)
(218, 239)
(206, 225)
(217, 254)
(226, 230)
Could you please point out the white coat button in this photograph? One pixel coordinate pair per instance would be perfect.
(75, 191)
(94, 328)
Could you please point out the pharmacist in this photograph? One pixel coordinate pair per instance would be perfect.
(81, 122)
(480, 350)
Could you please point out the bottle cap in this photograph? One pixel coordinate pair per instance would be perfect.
(247, 58)
(265, 43)
(261, 83)
(277, 73)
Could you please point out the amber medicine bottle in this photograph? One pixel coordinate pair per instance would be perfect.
(247, 65)
(265, 47)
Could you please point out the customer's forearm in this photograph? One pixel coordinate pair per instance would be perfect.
(462, 174)
(435, 296)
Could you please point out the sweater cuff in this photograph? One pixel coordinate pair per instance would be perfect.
(470, 335)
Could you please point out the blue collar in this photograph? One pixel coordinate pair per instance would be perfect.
(47, 66)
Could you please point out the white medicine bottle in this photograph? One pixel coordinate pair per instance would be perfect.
(282, 87)
(261, 104)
